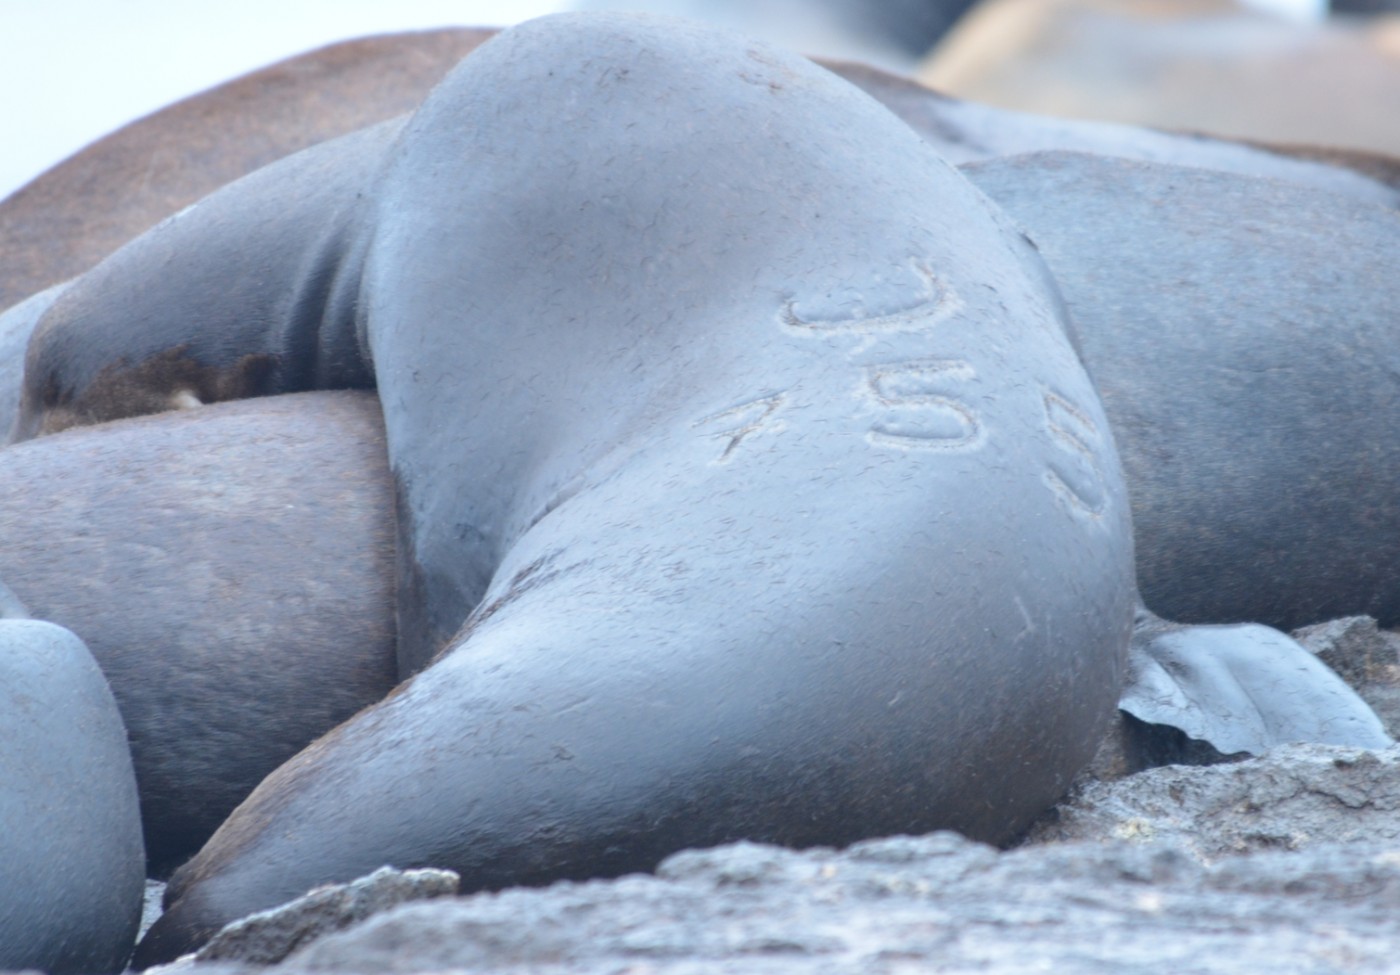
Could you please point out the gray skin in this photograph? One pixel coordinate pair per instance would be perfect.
(1242, 335)
(71, 862)
(277, 257)
(957, 128)
(639, 390)
(219, 563)
(964, 131)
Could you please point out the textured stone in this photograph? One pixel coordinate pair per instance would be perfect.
(1290, 862)
(1367, 658)
(270, 936)
(910, 904)
(1294, 797)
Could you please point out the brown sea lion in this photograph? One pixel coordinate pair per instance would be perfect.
(231, 570)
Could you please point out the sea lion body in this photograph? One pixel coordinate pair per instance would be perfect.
(1242, 334)
(71, 861)
(305, 332)
(662, 407)
(275, 291)
(968, 131)
(231, 570)
(17, 325)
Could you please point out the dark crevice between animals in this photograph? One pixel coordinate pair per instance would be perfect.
(168, 380)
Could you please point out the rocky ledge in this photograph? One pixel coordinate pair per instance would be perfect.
(1288, 862)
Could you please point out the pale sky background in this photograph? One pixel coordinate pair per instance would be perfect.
(73, 70)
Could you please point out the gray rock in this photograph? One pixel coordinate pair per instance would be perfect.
(1294, 797)
(270, 936)
(910, 904)
(1285, 862)
(1355, 648)
(1367, 658)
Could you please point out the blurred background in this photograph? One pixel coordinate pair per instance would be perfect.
(73, 70)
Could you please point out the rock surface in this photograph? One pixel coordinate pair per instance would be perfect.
(1366, 657)
(270, 936)
(1287, 862)
(1294, 798)
(911, 904)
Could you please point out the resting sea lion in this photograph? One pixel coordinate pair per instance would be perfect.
(1242, 335)
(230, 568)
(71, 863)
(637, 389)
(339, 352)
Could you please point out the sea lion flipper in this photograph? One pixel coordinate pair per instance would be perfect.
(249, 292)
(1242, 688)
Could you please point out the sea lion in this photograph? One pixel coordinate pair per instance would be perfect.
(1242, 335)
(73, 216)
(230, 569)
(968, 131)
(17, 325)
(637, 388)
(71, 862)
(290, 262)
